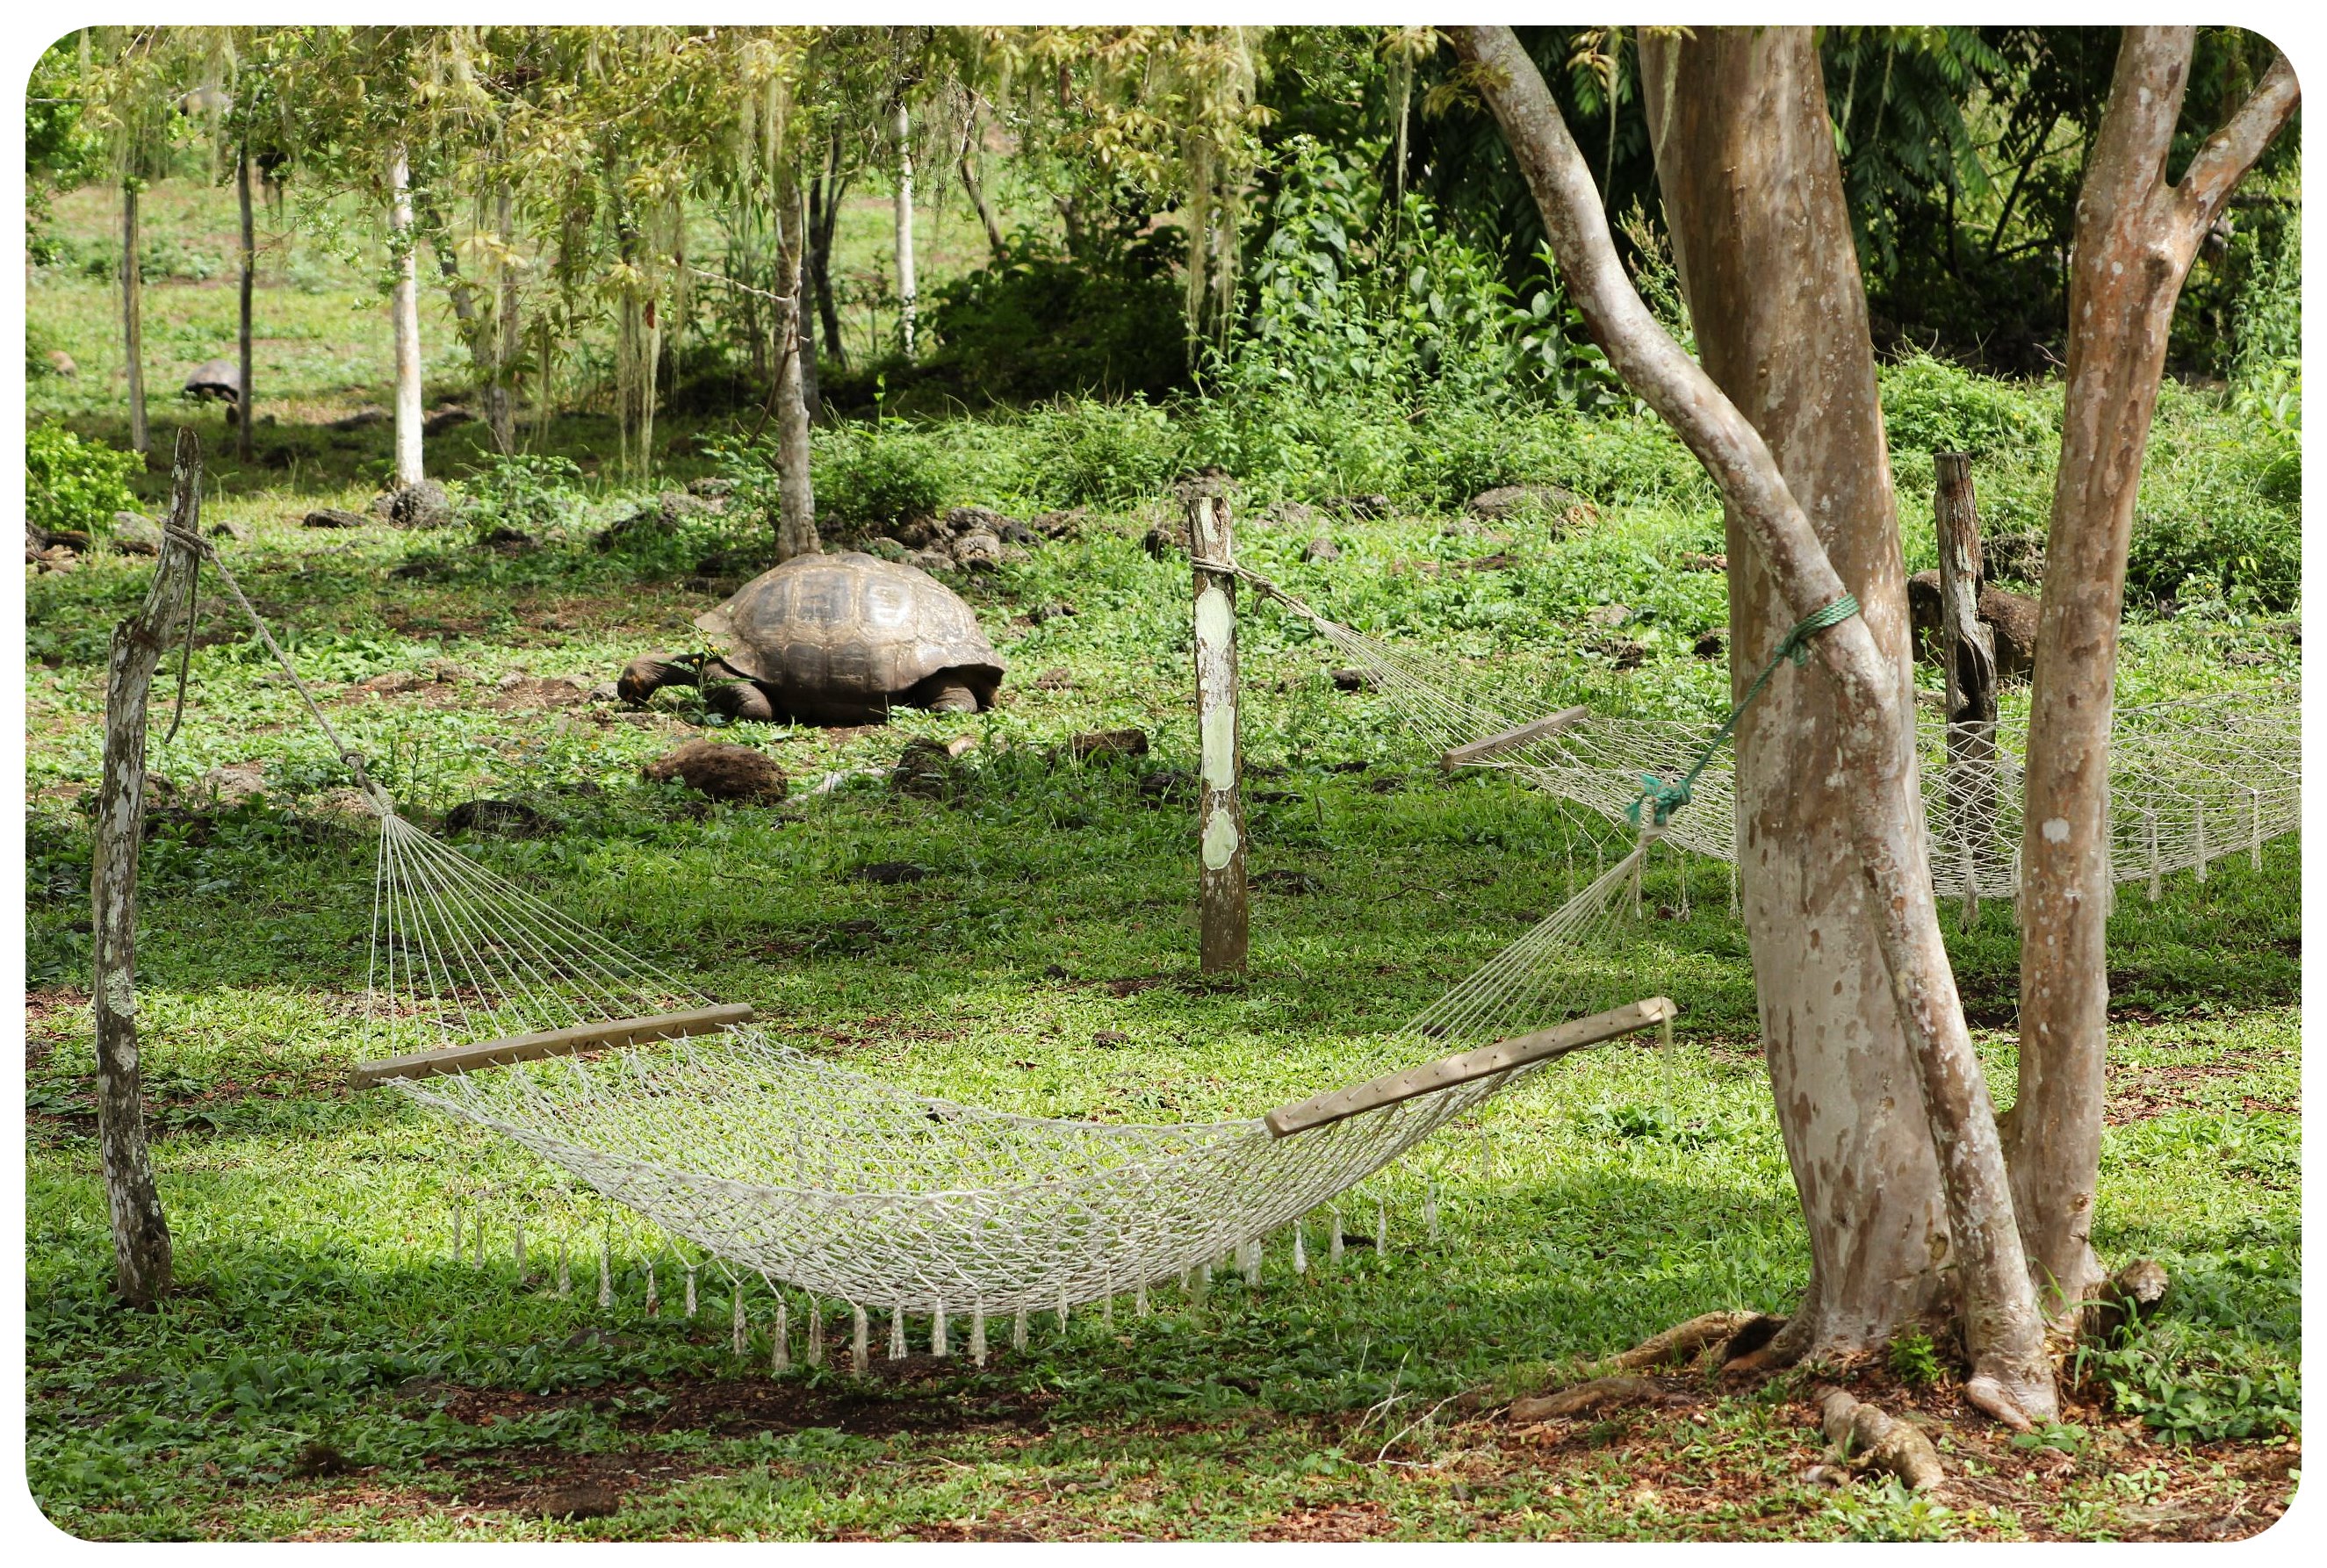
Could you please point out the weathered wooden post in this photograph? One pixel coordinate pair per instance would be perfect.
(1222, 907)
(1968, 654)
(141, 1235)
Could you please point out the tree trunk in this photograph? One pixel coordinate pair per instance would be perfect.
(1222, 902)
(796, 532)
(500, 398)
(404, 313)
(2135, 237)
(824, 219)
(975, 187)
(1967, 653)
(908, 301)
(242, 333)
(132, 317)
(1782, 331)
(1778, 91)
(141, 1234)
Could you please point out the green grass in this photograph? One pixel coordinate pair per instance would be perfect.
(328, 1369)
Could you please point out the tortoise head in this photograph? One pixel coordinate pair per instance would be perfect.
(650, 673)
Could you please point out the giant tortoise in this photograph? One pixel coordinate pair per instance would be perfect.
(833, 640)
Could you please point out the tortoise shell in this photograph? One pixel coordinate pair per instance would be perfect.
(845, 638)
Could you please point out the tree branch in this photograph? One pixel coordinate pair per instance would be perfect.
(2231, 151)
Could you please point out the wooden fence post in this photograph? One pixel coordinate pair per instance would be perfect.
(1968, 654)
(141, 1235)
(1222, 907)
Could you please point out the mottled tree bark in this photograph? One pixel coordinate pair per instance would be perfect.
(1763, 243)
(1223, 908)
(1967, 653)
(132, 318)
(404, 316)
(1870, 711)
(908, 288)
(975, 188)
(796, 533)
(141, 1234)
(2136, 235)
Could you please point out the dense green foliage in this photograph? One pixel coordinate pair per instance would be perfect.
(74, 484)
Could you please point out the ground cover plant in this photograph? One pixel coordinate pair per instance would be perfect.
(331, 1366)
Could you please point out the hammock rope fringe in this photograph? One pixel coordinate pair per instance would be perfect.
(857, 1190)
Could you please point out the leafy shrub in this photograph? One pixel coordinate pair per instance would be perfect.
(1087, 452)
(1929, 406)
(521, 490)
(72, 484)
(1038, 325)
(1914, 1359)
(877, 473)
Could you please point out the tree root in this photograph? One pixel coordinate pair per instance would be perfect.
(1682, 1341)
(2133, 1292)
(1600, 1394)
(1867, 1438)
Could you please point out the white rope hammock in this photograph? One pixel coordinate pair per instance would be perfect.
(2190, 781)
(783, 1165)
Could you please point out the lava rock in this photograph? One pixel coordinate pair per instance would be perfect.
(446, 419)
(711, 486)
(1708, 645)
(975, 519)
(925, 768)
(361, 419)
(2010, 617)
(426, 505)
(1507, 501)
(890, 874)
(935, 560)
(721, 771)
(1320, 549)
(1693, 562)
(1352, 680)
(61, 363)
(1108, 744)
(1165, 784)
(1168, 539)
(1609, 614)
(233, 528)
(331, 518)
(508, 540)
(135, 535)
(978, 551)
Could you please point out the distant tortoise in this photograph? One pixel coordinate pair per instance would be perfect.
(218, 380)
(833, 640)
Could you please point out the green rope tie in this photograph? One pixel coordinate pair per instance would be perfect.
(1663, 798)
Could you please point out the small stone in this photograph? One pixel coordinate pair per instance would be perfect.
(974, 520)
(426, 505)
(1164, 539)
(711, 486)
(135, 535)
(1609, 614)
(1292, 514)
(1167, 784)
(1708, 646)
(888, 873)
(1015, 532)
(1110, 1039)
(396, 683)
(1107, 744)
(1505, 502)
(1349, 679)
(61, 363)
(1621, 652)
(721, 771)
(673, 508)
(508, 540)
(1062, 525)
(230, 782)
(1054, 680)
(1320, 549)
(925, 768)
(233, 528)
(978, 551)
(1693, 561)
(935, 560)
(586, 1501)
(1046, 613)
(332, 517)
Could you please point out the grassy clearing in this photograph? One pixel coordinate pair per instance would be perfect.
(329, 1371)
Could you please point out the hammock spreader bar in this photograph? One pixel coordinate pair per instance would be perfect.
(549, 1042)
(1542, 1045)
